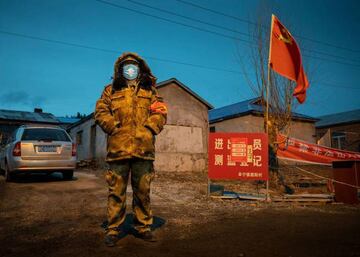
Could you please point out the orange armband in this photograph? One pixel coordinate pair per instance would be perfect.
(158, 107)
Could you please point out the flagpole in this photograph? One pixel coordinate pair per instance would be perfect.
(268, 78)
(267, 100)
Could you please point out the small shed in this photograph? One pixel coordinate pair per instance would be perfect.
(248, 116)
(181, 146)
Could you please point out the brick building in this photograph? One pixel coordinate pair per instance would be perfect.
(340, 130)
(248, 116)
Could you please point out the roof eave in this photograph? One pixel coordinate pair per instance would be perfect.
(230, 117)
(337, 124)
(187, 89)
(256, 113)
(88, 117)
(34, 121)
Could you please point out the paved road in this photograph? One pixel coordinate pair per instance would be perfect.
(45, 216)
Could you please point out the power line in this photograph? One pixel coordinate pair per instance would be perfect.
(217, 12)
(227, 29)
(330, 60)
(209, 31)
(336, 86)
(329, 44)
(172, 21)
(58, 42)
(330, 55)
(114, 51)
(193, 65)
(148, 57)
(256, 24)
(189, 18)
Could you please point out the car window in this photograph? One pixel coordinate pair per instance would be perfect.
(44, 134)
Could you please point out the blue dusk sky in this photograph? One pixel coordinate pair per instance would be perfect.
(58, 55)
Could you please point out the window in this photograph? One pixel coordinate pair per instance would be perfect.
(79, 137)
(44, 134)
(338, 140)
(212, 129)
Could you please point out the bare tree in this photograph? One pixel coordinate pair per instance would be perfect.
(275, 89)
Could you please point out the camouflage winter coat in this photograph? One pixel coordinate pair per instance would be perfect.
(127, 115)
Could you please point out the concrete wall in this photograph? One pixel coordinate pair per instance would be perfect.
(181, 146)
(247, 123)
(304, 131)
(252, 123)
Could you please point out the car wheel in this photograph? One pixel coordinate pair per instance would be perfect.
(68, 175)
(8, 175)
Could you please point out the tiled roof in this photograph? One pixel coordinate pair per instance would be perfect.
(67, 120)
(246, 107)
(42, 117)
(338, 118)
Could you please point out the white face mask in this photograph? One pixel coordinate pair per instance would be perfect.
(130, 71)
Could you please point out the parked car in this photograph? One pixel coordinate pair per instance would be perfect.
(38, 148)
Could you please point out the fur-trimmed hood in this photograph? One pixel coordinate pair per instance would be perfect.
(147, 79)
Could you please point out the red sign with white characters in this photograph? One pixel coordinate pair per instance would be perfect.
(242, 156)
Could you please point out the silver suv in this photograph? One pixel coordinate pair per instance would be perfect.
(38, 148)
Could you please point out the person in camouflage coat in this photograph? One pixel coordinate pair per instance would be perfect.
(132, 113)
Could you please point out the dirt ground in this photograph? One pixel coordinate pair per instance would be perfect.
(46, 216)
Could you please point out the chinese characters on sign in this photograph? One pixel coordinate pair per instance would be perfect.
(300, 151)
(238, 149)
(242, 156)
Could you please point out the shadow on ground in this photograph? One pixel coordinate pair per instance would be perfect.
(39, 178)
(128, 227)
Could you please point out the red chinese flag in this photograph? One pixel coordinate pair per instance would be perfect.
(285, 58)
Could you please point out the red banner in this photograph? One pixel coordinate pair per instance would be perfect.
(301, 151)
(242, 156)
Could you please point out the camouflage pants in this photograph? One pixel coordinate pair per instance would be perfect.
(142, 173)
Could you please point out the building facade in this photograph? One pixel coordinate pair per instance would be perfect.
(340, 130)
(248, 116)
(181, 146)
